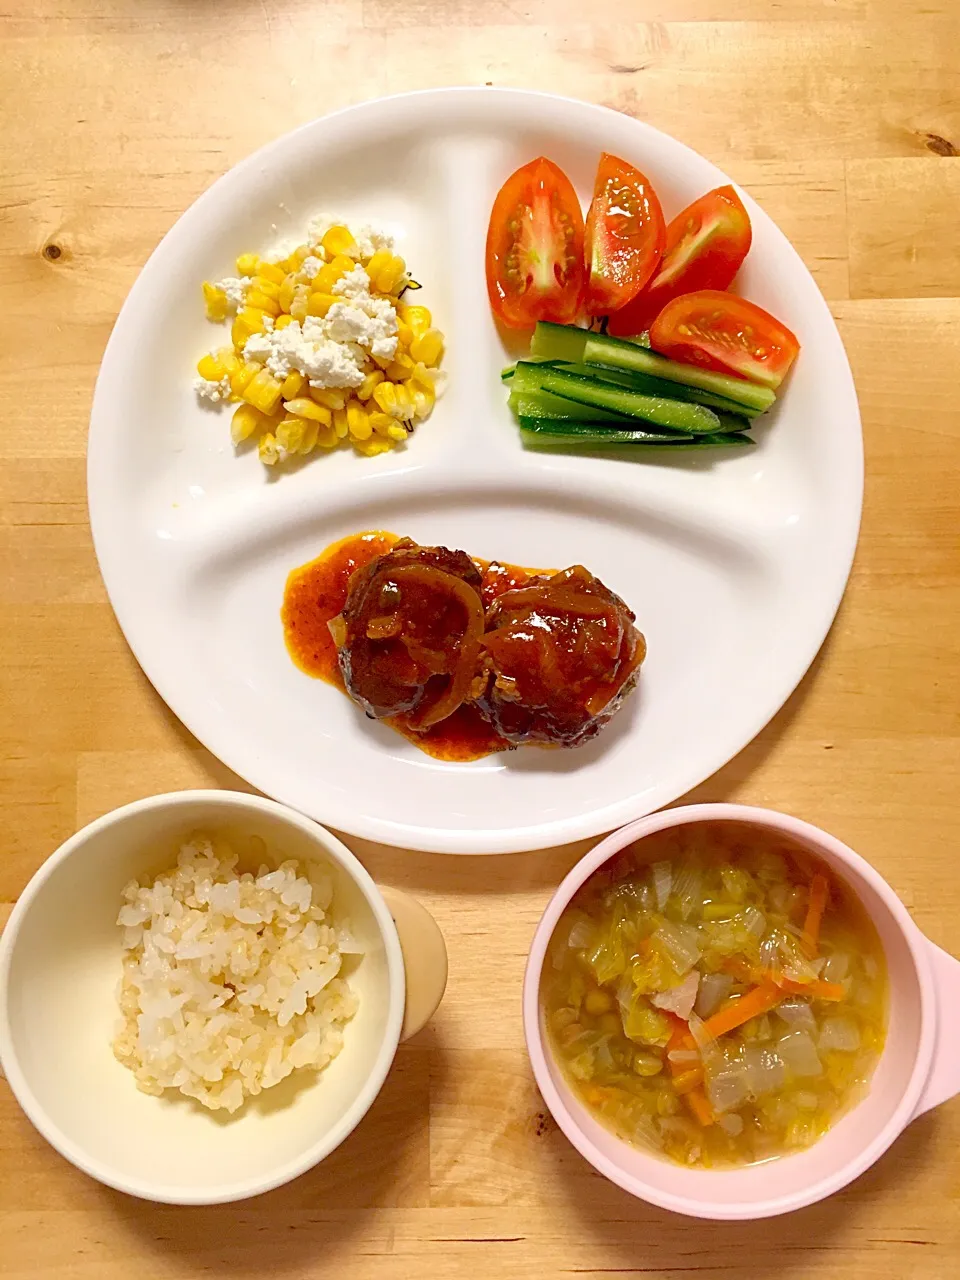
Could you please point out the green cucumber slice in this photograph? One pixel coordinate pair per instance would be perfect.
(648, 385)
(580, 346)
(549, 433)
(678, 415)
(540, 404)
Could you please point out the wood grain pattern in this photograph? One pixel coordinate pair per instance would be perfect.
(842, 117)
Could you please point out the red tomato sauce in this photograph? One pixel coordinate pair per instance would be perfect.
(315, 593)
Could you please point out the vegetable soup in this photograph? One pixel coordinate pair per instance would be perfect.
(716, 995)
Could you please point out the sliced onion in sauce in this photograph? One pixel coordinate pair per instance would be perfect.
(466, 648)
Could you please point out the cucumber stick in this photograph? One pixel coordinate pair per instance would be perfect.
(541, 404)
(580, 346)
(648, 385)
(529, 383)
(600, 431)
(549, 433)
(677, 415)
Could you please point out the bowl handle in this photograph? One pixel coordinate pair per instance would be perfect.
(424, 959)
(944, 1078)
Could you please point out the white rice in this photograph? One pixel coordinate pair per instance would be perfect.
(229, 981)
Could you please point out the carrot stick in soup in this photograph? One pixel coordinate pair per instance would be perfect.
(696, 1100)
(817, 904)
(819, 989)
(750, 1005)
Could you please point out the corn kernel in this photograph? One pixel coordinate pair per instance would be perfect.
(399, 280)
(370, 448)
(400, 368)
(290, 434)
(380, 261)
(405, 334)
(327, 437)
(298, 307)
(262, 302)
(329, 274)
(263, 392)
(394, 400)
(338, 241)
(307, 408)
(382, 361)
(229, 360)
(423, 378)
(386, 271)
(385, 395)
(247, 264)
(370, 381)
(318, 304)
(358, 420)
(287, 291)
(215, 301)
(282, 321)
(246, 419)
(418, 318)
(428, 347)
(423, 402)
(329, 397)
(291, 384)
(381, 423)
(396, 433)
(267, 449)
(267, 285)
(240, 380)
(210, 367)
(340, 424)
(310, 432)
(271, 271)
(247, 323)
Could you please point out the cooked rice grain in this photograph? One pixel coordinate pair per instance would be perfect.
(229, 981)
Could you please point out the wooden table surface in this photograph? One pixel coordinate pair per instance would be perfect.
(842, 117)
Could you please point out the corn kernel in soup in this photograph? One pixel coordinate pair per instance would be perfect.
(716, 996)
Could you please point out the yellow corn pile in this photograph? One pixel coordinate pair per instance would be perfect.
(291, 417)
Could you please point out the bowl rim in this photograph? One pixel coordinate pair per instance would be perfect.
(228, 801)
(704, 1207)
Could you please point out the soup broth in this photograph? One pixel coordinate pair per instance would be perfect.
(716, 995)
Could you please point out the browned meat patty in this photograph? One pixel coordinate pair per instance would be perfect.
(409, 636)
(559, 656)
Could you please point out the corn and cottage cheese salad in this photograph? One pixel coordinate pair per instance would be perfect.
(323, 351)
(230, 981)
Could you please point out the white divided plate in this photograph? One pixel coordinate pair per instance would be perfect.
(735, 565)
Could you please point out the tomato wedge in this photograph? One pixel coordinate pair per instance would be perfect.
(728, 334)
(535, 248)
(705, 248)
(624, 238)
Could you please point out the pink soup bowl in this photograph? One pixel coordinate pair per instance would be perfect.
(918, 1069)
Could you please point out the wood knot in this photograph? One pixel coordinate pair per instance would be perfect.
(940, 146)
(52, 252)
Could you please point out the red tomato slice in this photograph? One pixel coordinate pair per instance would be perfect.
(535, 248)
(624, 238)
(705, 247)
(723, 332)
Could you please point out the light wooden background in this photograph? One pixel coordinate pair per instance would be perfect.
(842, 117)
